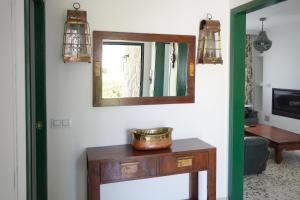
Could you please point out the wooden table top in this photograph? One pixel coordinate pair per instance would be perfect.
(274, 134)
(126, 150)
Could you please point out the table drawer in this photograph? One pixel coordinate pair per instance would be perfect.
(127, 169)
(183, 163)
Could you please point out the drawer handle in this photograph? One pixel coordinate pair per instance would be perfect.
(129, 164)
(129, 169)
(185, 161)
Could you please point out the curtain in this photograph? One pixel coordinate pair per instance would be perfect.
(249, 70)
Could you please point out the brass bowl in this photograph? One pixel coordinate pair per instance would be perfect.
(154, 138)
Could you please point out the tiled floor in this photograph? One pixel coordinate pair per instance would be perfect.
(277, 182)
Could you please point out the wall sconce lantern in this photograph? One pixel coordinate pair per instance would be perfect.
(77, 37)
(209, 44)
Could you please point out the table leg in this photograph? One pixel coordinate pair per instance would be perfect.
(93, 181)
(278, 155)
(211, 175)
(194, 186)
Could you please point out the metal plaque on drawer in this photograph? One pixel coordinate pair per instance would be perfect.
(184, 161)
(129, 169)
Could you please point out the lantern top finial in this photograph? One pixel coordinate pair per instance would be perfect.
(76, 6)
(209, 16)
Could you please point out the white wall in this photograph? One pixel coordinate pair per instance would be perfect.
(235, 3)
(281, 70)
(69, 95)
(12, 114)
(7, 141)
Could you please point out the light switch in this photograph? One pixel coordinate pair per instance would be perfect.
(61, 123)
(66, 123)
(56, 123)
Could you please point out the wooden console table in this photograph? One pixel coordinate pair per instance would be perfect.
(121, 163)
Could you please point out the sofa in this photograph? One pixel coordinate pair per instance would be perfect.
(256, 154)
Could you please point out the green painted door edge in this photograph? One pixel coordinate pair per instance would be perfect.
(236, 115)
(28, 100)
(236, 104)
(41, 148)
(40, 100)
(159, 69)
(236, 118)
(142, 69)
(182, 69)
(254, 5)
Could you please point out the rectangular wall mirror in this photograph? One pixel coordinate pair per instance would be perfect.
(139, 68)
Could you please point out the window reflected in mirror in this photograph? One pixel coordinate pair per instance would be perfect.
(143, 69)
(122, 71)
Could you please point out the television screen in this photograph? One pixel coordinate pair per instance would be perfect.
(286, 103)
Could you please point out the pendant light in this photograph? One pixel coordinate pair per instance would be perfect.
(262, 43)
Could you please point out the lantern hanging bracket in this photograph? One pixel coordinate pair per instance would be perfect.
(76, 6)
(209, 16)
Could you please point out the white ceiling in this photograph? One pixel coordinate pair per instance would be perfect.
(282, 13)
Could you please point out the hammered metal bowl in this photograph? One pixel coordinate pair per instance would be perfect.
(154, 138)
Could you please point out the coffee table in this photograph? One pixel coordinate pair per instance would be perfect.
(279, 139)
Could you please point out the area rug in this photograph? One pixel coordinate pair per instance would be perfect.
(277, 182)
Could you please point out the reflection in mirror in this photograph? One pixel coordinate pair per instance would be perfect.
(143, 69)
(122, 69)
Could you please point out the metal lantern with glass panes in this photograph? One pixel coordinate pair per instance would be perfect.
(209, 44)
(77, 38)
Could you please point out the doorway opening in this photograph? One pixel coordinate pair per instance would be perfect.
(237, 82)
(272, 101)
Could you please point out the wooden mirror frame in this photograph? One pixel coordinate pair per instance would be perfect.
(99, 36)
